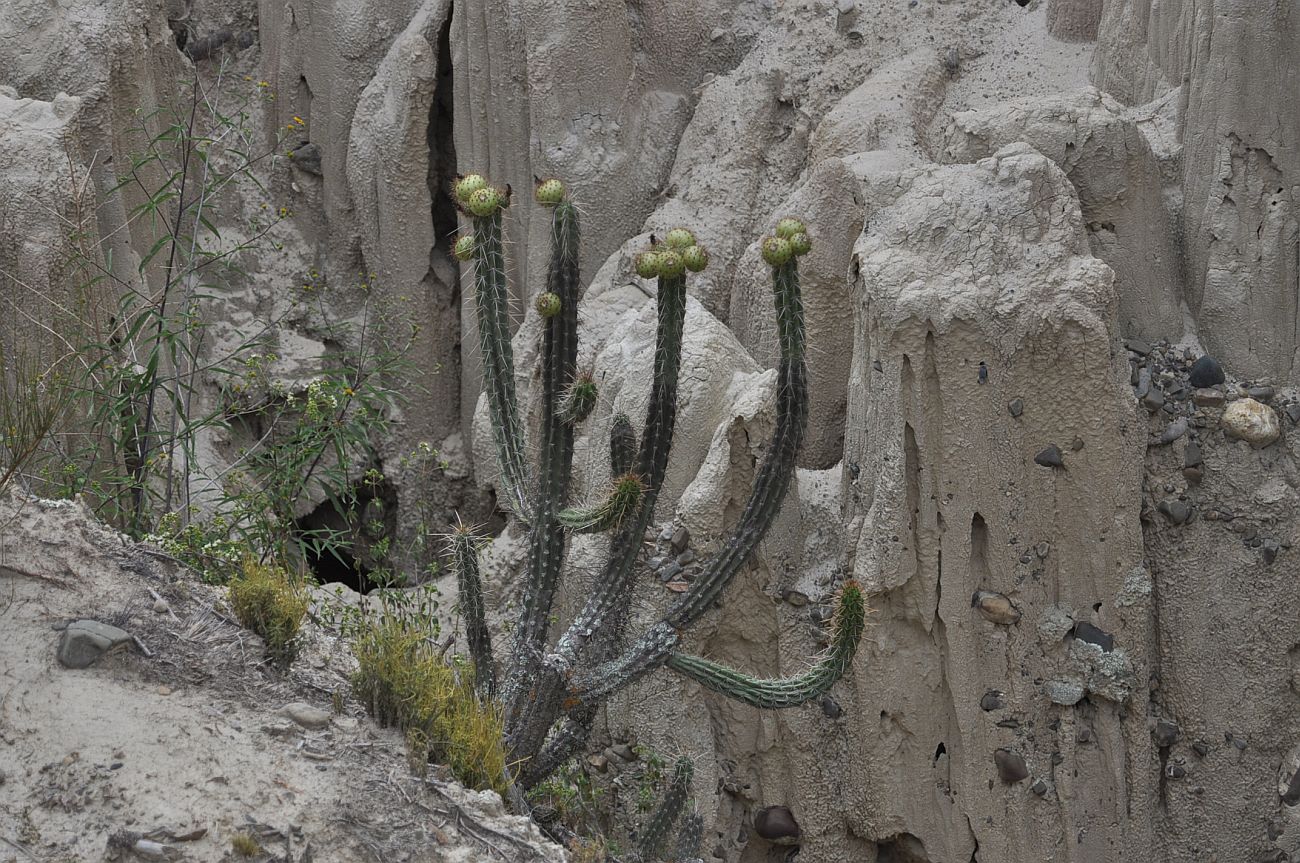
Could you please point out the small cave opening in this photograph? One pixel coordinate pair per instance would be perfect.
(1023, 3)
(344, 540)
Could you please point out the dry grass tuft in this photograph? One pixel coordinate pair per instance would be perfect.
(405, 683)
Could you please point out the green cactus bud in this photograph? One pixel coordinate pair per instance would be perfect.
(696, 258)
(648, 263)
(486, 201)
(621, 501)
(800, 244)
(671, 264)
(549, 192)
(788, 227)
(581, 400)
(468, 185)
(548, 304)
(776, 251)
(679, 238)
(464, 248)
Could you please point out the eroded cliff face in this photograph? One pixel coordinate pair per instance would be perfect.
(1029, 220)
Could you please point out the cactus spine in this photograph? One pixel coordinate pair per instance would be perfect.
(554, 688)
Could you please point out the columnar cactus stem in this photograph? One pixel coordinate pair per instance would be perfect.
(622, 446)
(778, 463)
(688, 840)
(492, 299)
(547, 537)
(850, 616)
(463, 546)
(770, 486)
(670, 808)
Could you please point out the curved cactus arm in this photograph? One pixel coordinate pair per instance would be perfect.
(849, 621)
(670, 808)
(491, 296)
(546, 535)
(689, 837)
(622, 446)
(621, 501)
(778, 467)
(580, 400)
(463, 545)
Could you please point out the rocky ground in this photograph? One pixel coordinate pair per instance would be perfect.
(178, 737)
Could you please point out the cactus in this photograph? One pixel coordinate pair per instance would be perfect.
(662, 821)
(554, 687)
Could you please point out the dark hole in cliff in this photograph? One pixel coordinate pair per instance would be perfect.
(940, 750)
(903, 848)
(1023, 3)
(342, 541)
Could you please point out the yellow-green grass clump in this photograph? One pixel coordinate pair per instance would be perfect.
(271, 602)
(405, 683)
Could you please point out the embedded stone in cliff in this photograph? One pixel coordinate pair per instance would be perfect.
(1174, 431)
(1011, 766)
(1050, 457)
(1016, 407)
(1288, 781)
(1066, 693)
(1085, 631)
(776, 824)
(85, 641)
(1165, 733)
(992, 700)
(1248, 420)
(1192, 455)
(1177, 511)
(995, 607)
(1209, 398)
(1206, 372)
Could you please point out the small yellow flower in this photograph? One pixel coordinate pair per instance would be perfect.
(264, 84)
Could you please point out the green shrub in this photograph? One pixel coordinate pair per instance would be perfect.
(272, 603)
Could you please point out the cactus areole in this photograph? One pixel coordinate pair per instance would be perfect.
(555, 682)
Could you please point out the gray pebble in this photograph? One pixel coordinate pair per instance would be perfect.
(1174, 431)
(1154, 400)
(1192, 454)
(1177, 511)
(992, 700)
(1165, 733)
(1137, 346)
(1011, 766)
(1261, 394)
(85, 641)
(1016, 407)
(1050, 457)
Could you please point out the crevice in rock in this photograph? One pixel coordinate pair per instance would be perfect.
(979, 550)
(442, 147)
(903, 848)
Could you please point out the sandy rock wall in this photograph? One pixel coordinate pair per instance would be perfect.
(1235, 64)
(1001, 195)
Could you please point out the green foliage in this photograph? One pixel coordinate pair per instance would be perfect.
(272, 603)
(404, 682)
